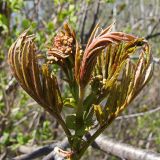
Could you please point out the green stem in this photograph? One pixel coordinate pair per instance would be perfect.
(65, 128)
(62, 123)
(79, 112)
(93, 137)
(79, 122)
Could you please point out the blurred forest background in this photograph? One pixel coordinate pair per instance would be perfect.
(23, 123)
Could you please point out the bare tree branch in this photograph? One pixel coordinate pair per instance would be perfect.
(42, 151)
(102, 143)
(124, 151)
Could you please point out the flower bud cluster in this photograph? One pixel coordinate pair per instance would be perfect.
(64, 43)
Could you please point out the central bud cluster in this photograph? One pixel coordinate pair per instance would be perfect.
(64, 43)
(63, 46)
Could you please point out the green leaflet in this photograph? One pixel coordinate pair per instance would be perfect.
(71, 121)
(99, 114)
(69, 102)
(77, 61)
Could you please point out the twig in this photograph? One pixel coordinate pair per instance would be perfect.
(152, 35)
(3, 156)
(84, 21)
(12, 84)
(94, 21)
(138, 114)
(149, 140)
(152, 31)
(155, 26)
(42, 151)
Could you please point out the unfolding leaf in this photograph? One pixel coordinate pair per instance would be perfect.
(95, 47)
(121, 77)
(24, 64)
